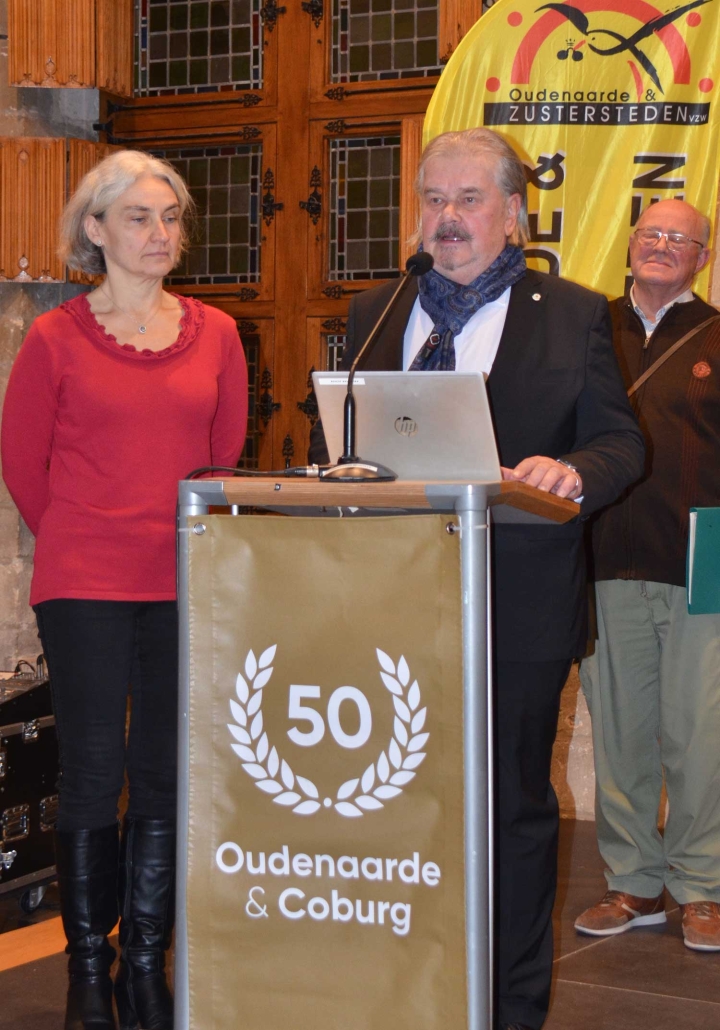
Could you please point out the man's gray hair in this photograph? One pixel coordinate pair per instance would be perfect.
(99, 189)
(510, 171)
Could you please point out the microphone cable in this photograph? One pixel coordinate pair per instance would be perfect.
(294, 472)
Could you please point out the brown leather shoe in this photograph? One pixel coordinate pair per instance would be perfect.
(618, 912)
(701, 925)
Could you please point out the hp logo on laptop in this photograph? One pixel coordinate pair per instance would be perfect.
(406, 426)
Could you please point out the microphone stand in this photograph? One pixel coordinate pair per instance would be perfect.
(350, 468)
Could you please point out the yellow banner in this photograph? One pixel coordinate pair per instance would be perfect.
(611, 104)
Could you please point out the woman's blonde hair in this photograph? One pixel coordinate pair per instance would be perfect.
(100, 188)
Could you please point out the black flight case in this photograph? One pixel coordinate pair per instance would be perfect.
(28, 785)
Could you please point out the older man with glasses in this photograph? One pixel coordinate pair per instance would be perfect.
(653, 683)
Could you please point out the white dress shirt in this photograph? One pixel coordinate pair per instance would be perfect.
(475, 347)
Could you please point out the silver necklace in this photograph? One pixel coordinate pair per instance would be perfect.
(141, 328)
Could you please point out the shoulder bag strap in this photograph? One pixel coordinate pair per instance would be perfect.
(669, 353)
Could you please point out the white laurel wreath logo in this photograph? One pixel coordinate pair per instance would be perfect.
(382, 780)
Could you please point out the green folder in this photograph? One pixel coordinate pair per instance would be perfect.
(703, 562)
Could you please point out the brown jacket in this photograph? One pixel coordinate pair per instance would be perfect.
(643, 535)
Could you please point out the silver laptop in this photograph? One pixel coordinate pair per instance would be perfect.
(422, 425)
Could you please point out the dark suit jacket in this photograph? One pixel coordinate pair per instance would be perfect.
(554, 389)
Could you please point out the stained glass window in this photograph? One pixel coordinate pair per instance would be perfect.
(335, 344)
(225, 183)
(364, 207)
(197, 46)
(384, 39)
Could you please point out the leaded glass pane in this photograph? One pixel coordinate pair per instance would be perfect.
(335, 345)
(384, 39)
(364, 207)
(197, 46)
(249, 456)
(225, 183)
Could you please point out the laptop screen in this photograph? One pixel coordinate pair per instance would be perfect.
(423, 425)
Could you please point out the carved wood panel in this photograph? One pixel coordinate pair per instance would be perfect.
(51, 44)
(410, 151)
(84, 154)
(456, 18)
(32, 193)
(114, 48)
(258, 337)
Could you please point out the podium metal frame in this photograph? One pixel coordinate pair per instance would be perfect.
(471, 503)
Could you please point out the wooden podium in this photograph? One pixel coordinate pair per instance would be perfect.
(473, 507)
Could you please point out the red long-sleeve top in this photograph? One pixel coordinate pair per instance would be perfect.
(95, 437)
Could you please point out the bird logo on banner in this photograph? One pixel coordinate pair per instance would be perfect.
(579, 20)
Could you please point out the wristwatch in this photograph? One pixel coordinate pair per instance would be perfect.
(573, 468)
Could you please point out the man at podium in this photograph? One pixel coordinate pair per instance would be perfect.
(564, 425)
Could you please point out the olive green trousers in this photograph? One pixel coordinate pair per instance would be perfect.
(653, 690)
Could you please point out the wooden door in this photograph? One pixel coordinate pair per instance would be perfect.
(298, 129)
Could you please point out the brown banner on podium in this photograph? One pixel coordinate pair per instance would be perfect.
(325, 863)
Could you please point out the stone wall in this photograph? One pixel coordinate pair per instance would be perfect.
(28, 112)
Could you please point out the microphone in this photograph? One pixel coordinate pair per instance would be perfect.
(350, 468)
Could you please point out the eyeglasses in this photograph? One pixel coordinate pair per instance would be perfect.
(676, 241)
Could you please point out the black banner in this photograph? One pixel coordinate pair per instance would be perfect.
(596, 114)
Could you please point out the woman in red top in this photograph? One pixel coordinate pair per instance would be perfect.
(114, 397)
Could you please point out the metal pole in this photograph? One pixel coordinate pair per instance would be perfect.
(194, 499)
(490, 758)
(471, 506)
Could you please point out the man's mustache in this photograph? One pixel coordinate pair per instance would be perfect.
(450, 229)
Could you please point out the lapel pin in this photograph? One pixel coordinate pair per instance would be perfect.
(701, 370)
(536, 296)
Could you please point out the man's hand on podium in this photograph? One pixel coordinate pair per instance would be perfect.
(546, 474)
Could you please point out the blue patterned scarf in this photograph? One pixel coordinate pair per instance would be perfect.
(451, 306)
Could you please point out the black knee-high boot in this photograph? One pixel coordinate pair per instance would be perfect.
(147, 914)
(87, 867)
